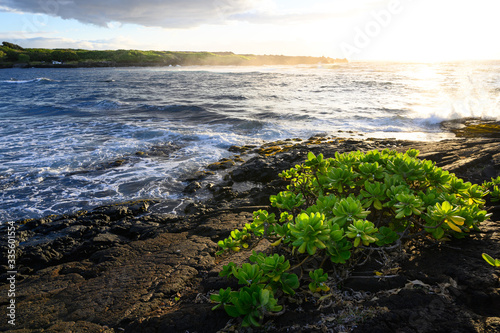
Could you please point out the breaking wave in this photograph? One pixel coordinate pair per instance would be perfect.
(17, 81)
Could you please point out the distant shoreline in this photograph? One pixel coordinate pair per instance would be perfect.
(121, 65)
(15, 56)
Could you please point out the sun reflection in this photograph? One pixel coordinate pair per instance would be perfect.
(452, 91)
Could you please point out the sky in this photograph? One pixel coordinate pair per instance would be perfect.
(401, 30)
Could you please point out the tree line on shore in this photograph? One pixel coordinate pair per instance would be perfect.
(12, 54)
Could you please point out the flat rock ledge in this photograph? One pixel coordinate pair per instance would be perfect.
(121, 268)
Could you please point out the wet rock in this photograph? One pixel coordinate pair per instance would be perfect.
(192, 187)
(223, 193)
(265, 169)
(114, 164)
(199, 175)
(241, 149)
(193, 208)
(223, 164)
(273, 150)
(160, 150)
(257, 169)
(163, 150)
(141, 206)
(116, 212)
(473, 128)
(107, 238)
(57, 239)
(220, 226)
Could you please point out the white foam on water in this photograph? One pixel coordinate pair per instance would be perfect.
(16, 81)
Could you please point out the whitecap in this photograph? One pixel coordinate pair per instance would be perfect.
(39, 79)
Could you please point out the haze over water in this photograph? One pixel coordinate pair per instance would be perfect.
(61, 129)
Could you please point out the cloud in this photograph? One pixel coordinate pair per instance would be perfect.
(118, 42)
(166, 13)
(312, 12)
(188, 13)
(48, 42)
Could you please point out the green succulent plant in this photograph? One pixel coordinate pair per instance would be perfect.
(385, 236)
(252, 303)
(373, 194)
(340, 178)
(495, 194)
(287, 200)
(316, 162)
(448, 214)
(332, 206)
(248, 274)
(324, 205)
(318, 279)
(262, 222)
(361, 231)
(309, 232)
(223, 298)
(436, 177)
(339, 251)
(275, 273)
(407, 167)
(493, 188)
(228, 244)
(407, 205)
(371, 171)
(348, 210)
(474, 195)
(227, 270)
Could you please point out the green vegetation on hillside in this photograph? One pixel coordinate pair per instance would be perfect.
(11, 54)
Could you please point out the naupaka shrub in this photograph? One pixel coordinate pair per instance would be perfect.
(351, 204)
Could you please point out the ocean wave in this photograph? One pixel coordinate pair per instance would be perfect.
(248, 126)
(374, 83)
(39, 79)
(230, 97)
(101, 105)
(182, 113)
(455, 112)
(54, 111)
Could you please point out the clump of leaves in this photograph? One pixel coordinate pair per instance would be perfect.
(343, 208)
(260, 281)
(252, 303)
(493, 187)
(309, 232)
(318, 280)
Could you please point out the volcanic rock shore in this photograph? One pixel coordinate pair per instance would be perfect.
(124, 268)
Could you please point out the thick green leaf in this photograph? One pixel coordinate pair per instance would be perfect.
(264, 297)
(491, 261)
(253, 320)
(232, 310)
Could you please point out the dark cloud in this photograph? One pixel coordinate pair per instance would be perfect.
(161, 13)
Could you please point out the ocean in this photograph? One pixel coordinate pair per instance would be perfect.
(74, 139)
